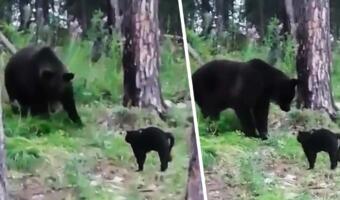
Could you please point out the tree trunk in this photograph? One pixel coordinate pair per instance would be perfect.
(3, 179)
(219, 4)
(261, 18)
(194, 186)
(24, 14)
(110, 12)
(83, 15)
(207, 17)
(117, 13)
(313, 59)
(141, 57)
(290, 15)
(45, 7)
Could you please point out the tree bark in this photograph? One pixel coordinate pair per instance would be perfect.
(110, 13)
(141, 58)
(261, 18)
(3, 179)
(194, 186)
(23, 9)
(290, 15)
(219, 4)
(313, 59)
(207, 17)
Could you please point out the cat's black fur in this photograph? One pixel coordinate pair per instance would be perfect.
(149, 139)
(318, 140)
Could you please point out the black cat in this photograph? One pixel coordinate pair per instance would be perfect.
(318, 140)
(149, 139)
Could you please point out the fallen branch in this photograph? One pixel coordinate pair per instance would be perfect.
(195, 55)
(7, 43)
(191, 50)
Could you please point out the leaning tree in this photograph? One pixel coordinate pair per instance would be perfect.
(3, 182)
(313, 59)
(141, 55)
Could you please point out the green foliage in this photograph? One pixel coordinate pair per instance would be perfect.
(22, 154)
(272, 34)
(288, 55)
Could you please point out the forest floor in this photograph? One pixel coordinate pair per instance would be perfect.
(238, 168)
(52, 159)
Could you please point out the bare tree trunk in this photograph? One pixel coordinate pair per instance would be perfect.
(83, 15)
(220, 19)
(194, 186)
(313, 59)
(45, 7)
(3, 179)
(290, 14)
(141, 57)
(24, 14)
(207, 17)
(110, 12)
(261, 13)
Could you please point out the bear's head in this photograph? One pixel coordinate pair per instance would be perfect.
(53, 77)
(285, 93)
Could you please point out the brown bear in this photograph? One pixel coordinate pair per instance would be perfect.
(246, 87)
(37, 79)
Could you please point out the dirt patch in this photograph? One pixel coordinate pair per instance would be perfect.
(218, 189)
(34, 188)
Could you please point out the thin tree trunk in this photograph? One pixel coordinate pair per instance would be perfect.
(117, 15)
(22, 17)
(290, 14)
(220, 19)
(45, 7)
(110, 13)
(313, 59)
(83, 15)
(207, 17)
(261, 20)
(3, 179)
(194, 186)
(141, 57)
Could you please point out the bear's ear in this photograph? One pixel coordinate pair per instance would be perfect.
(46, 74)
(68, 76)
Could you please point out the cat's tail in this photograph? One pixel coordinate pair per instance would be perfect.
(171, 144)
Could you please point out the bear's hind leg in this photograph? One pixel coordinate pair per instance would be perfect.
(247, 121)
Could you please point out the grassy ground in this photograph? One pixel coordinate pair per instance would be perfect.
(52, 159)
(238, 168)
